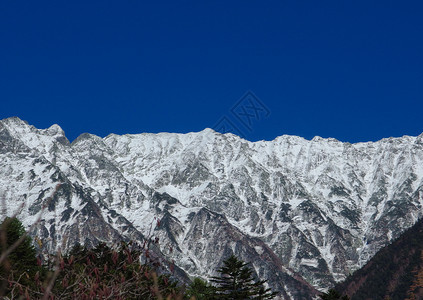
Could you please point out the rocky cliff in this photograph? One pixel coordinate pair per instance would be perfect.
(302, 212)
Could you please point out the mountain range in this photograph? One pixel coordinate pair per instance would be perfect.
(304, 213)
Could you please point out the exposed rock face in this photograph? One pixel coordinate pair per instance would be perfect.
(294, 208)
(395, 272)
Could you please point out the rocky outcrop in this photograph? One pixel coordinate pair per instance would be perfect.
(296, 209)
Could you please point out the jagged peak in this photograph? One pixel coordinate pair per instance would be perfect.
(208, 131)
(288, 138)
(55, 130)
(14, 121)
(164, 138)
(86, 136)
(23, 130)
(215, 178)
(321, 139)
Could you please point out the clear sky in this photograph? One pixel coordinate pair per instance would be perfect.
(352, 70)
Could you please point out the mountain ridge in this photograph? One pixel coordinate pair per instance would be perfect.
(321, 206)
(208, 129)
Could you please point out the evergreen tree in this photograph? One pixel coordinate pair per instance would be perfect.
(24, 253)
(236, 282)
(21, 264)
(201, 290)
(333, 294)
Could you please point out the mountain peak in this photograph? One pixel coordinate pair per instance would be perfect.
(208, 131)
(86, 136)
(55, 130)
(319, 208)
(15, 121)
(325, 140)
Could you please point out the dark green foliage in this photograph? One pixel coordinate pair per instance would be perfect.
(110, 273)
(21, 264)
(24, 254)
(98, 273)
(333, 295)
(201, 290)
(236, 282)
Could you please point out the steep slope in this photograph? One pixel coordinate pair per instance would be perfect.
(84, 197)
(318, 204)
(395, 272)
(318, 208)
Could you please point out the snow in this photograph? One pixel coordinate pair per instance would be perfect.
(309, 262)
(259, 250)
(295, 202)
(287, 170)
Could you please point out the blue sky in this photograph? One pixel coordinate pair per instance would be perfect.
(352, 70)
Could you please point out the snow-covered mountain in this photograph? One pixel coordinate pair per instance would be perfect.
(296, 209)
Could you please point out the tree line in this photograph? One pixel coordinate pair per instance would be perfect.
(104, 272)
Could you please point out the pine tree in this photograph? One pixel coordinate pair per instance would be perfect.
(21, 263)
(201, 290)
(236, 282)
(333, 294)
